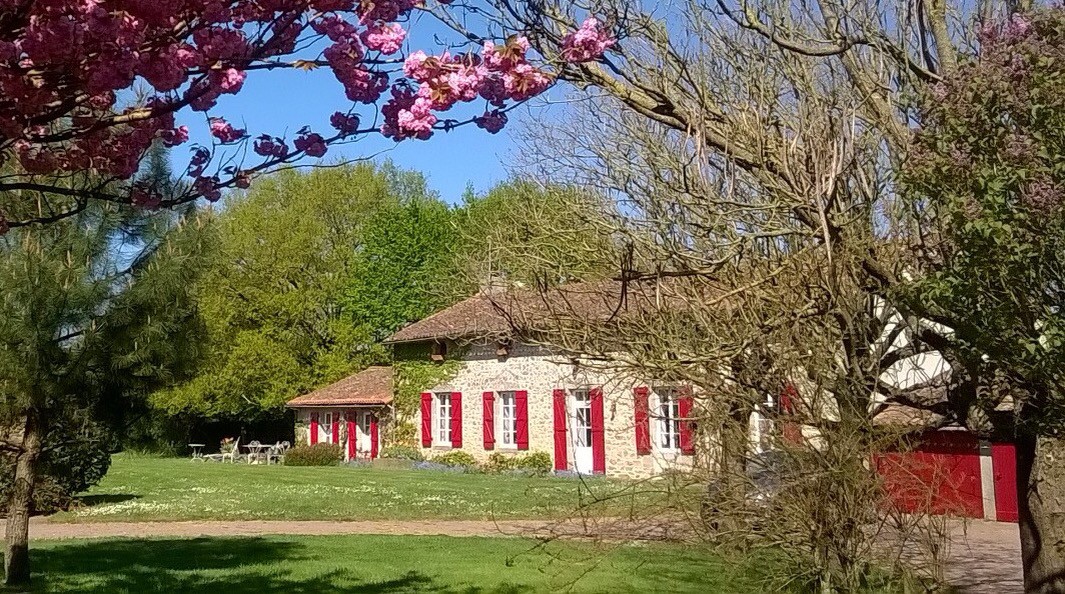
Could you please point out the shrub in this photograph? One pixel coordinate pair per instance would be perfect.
(321, 454)
(76, 454)
(456, 458)
(536, 463)
(402, 452)
(499, 462)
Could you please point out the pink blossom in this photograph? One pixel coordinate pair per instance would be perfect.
(229, 80)
(268, 146)
(407, 115)
(492, 121)
(525, 81)
(311, 143)
(176, 136)
(385, 38)
(587, 43)
(345, 124)
(242, 180)
(145, 198)
(335, 28)
(224, 132)
(208, 188)
(506, 56)
(200, 158)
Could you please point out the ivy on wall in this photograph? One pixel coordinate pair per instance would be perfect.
(413, 372)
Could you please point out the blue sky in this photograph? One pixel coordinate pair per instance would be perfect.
(283, 101)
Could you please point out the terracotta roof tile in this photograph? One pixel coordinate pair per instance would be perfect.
(372, 385)
(496, 314)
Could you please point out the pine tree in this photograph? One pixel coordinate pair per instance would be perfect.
(95, 308)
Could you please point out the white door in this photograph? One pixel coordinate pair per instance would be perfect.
(363, 445)
(581, 433)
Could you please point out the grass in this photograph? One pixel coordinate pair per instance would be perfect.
(140, 488)
(294, 565)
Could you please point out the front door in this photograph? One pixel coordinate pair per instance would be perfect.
(364, 433)
(581, 433)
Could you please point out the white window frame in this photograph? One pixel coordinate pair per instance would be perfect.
(583, 395)
(667, 419)
(442, 436)
(328, 426)
(502, 409)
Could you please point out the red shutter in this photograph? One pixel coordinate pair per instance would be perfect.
(687, 444)
(598, 433)
(488, 414)
(352, 436)
(521, 416)
(456, 419)
(788, 399)
(374, 437)
(561, 463)
(427, 419)
(336, 428)
(314, 428)
(643, 421)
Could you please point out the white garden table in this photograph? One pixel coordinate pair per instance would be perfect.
(256, 451)
(197, 451)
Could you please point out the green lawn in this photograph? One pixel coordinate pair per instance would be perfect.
(293, 565)
(139, 488)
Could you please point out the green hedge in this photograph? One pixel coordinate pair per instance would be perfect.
(321, 454)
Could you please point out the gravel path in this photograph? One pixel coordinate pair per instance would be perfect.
(984, 556)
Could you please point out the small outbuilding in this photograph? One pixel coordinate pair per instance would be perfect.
(350, 413)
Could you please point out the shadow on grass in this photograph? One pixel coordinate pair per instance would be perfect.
(232, 565)
(91, 500)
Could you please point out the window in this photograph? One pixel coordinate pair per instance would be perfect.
(668, 419)
(328, 426)
(508, 419)
(443, 418)
(582, 425)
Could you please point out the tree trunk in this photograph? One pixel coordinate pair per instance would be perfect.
(1041, 499)
(16, 552)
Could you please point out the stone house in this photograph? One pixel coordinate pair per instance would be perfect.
(350, 413)
(513, 397)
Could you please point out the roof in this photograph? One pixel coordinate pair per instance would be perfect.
(476, 316)
(372, 385)
(496, 314)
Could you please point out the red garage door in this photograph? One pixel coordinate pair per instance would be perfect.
(1004, 461)
(941, 475)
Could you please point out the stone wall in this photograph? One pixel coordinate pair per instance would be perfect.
(303, 426)
(539, 373)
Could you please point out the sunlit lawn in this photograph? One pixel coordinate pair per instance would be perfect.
(139, 488)
(375, 564)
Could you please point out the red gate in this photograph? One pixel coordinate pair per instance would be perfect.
(941, 475)
(1004, 461)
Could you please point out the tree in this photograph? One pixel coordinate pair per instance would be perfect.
(404, 268)
(986, 175)
(307, 273)
(66, 69)
(523, 232)
(757, 143)
(95, 307)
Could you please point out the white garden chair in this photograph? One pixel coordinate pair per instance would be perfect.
(232, 454)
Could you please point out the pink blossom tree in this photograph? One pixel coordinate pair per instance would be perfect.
(72, 130)
(87, 87)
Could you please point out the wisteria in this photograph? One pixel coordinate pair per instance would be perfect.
(68, 68)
